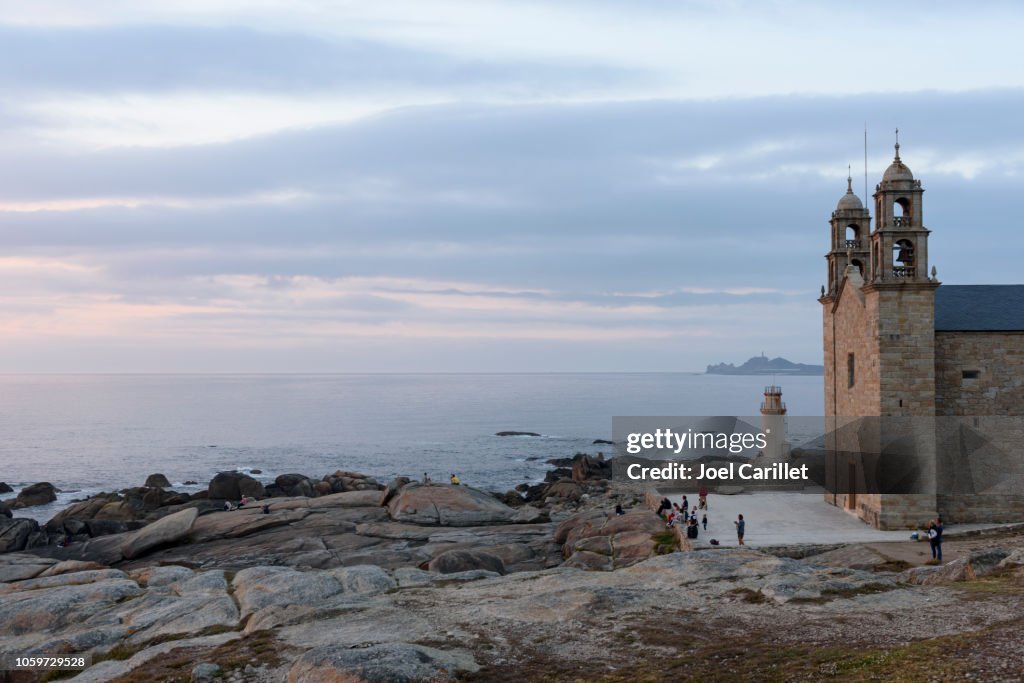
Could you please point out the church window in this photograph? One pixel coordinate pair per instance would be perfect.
(970, 374)
(850, 371)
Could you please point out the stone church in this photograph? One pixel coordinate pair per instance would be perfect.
(898, 343)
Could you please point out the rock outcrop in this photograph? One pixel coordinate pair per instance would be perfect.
(447, 505)
(342, 481)
(157, 480)
(234, 485)
(455, 561)
(165, 531)
(398, 662)
(295, 485)
(37, 494)
(16, 532)
(586, 467)
(597, 540)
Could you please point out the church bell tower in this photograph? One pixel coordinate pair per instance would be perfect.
(851, 229)
(899, 247)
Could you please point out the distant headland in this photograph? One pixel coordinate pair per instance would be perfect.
(762, 365)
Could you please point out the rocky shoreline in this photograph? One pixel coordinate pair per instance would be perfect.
(417, 581)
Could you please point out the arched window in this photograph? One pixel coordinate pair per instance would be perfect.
(853, 236)
(901, 212)
(859, 264)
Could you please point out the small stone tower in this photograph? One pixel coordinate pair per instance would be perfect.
(773, 422)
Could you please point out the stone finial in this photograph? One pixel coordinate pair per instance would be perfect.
(897, 144)
(935, 273)
(823, 290)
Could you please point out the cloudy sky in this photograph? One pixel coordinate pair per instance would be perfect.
(474, 185)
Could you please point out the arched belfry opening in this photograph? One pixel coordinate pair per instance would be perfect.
(903, 258)
(853, 236)
(902, 211)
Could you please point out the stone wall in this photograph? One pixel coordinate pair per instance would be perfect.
(981, 508)
(997, 357)
(906, 331)
(854, 320)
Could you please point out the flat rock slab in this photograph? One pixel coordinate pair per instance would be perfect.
(392, 662)
(347, 499)
(164, 531)
(112, 668)
(445, 505)
(17, 567)
(856, 556)
(238, 523)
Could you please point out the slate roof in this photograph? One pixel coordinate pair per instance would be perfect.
(979, 308)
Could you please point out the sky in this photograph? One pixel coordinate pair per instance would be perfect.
(476, 185)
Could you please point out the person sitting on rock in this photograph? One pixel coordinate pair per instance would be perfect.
(619, 510)
(228, 507)
(691, 530)
(243, 502)
(455, 479)
(266, 508)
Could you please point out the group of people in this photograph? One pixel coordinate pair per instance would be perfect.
(454, 479)
(681, 514)
(676, 515)
(245, 500)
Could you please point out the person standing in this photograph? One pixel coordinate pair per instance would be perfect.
(938, 538)
(704, 522)
(741, 528)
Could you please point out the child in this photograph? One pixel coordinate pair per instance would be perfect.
(704, 521)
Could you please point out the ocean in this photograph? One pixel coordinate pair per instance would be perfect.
(92, 433)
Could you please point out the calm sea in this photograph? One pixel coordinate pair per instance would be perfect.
(91, 433)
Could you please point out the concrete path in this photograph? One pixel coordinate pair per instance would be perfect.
(786, 518)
